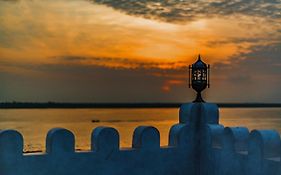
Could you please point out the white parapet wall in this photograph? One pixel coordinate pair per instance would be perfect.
(198, 145)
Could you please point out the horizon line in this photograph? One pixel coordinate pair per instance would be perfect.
(58, 105)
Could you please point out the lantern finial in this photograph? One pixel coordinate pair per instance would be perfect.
(199, 77)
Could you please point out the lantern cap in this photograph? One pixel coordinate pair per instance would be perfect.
(199, 64)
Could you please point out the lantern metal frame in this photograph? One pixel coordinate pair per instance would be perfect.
(200, 84)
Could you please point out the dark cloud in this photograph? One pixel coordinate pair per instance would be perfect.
(262, 64)
(89, 83)
(188, 10)
(253, 76)
(249, 77)
(72, 58)
(238, 40)
(119, 62)
(262, 60)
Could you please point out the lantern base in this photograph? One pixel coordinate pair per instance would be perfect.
(199, 98)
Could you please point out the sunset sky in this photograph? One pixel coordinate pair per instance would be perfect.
(138, 51)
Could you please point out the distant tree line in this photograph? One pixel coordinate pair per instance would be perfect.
(15, 105)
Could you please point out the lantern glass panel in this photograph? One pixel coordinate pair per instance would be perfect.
(204, 75)
(199, 75)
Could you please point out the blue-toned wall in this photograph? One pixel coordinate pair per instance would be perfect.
(198, 145)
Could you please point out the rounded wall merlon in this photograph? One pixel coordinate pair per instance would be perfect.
(60, 141)
(146, 137)
(259, 143)
(215, 134)
(180, 135)
(254, 149)
(105, 140)
(235, 139)
(264, 144)
(11, 144)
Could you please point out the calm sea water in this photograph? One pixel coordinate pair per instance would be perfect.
(35, 123)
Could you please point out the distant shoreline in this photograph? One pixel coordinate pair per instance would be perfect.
(54, 105)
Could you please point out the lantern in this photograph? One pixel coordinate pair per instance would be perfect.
(199, 73)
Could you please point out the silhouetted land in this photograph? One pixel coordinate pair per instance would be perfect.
(28, 105)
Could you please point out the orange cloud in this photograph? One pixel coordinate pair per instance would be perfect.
(39, 33)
